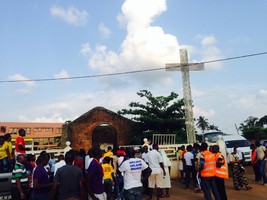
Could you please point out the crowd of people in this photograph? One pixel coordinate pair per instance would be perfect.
(258, 161)
(128, 173)
(207, 168)
(93, 175)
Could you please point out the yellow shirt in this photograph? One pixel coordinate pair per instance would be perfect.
(260, 152)
(180, 153)
(108, 170)
(10, 149)
(108, 154)
(3, 150)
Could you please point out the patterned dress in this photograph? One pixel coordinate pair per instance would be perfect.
(239, 178)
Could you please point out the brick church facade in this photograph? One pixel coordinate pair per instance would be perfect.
(83, 133)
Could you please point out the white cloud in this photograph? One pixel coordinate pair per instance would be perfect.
(85, 49)
(56, 117)
(208, 41)
(74, 105)
(145, 46)
(104, 31)
(122, 21)
(58, 106)
(62, 74)
(251, 99)
(139, 14)
(148, 46)
(246, 102)
(201, 112)
(71, 15)
(210, 54)
(28, 85)
(209, 51)
(260, 99)
(104, 60)
(263, 92)
(232, 104)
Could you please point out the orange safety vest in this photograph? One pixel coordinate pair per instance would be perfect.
(209, 164)
(221, 172)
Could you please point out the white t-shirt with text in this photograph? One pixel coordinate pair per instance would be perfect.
(132, 170)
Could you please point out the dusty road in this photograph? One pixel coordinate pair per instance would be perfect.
(258, 191)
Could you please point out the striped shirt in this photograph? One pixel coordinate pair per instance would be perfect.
(20, 172)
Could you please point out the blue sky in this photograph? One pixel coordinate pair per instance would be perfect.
(57, 39)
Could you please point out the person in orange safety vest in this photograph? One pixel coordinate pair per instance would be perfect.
(221, 172)
(208, 166)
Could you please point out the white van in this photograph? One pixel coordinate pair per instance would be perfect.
(210, 135)
(242, 143)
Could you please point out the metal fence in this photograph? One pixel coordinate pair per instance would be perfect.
(56, 152)
(164, 139)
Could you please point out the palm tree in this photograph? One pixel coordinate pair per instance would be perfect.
(202, 123)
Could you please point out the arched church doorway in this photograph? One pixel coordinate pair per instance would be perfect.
(104, 135)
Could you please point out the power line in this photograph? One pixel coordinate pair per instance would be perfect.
(127, 72)
(80, 77)
(236, 57)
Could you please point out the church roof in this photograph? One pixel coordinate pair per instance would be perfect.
(86, 116)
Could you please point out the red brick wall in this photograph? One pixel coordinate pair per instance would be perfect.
(83, 127)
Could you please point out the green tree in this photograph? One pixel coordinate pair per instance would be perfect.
(262, 121)
(249, 122)
(254, 128)
(254, 133)
(66, 130)
(213, 127)
(159, 114)
(202, 123)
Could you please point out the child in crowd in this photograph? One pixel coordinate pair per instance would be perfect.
(108, 176)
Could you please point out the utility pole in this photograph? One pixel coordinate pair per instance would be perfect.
(185, 67)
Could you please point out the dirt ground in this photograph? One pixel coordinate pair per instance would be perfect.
(257, 192)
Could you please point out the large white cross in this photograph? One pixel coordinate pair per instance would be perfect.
(185, 67)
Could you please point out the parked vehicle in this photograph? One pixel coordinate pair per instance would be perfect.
(242, 143)
(210, 135)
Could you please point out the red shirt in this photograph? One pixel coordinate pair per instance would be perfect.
(20, 141)
(184, 151)
(78, 163)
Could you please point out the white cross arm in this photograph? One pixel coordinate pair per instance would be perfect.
(182, 67)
